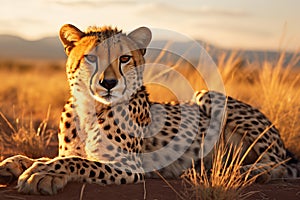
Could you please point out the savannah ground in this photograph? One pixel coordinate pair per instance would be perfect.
(32, 94)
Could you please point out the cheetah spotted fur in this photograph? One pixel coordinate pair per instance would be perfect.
(110, 133)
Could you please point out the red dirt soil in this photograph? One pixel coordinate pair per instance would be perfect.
(155, 190)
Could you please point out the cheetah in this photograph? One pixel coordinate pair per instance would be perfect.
(110, 133)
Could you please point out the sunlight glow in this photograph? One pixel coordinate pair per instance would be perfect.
(233, 24)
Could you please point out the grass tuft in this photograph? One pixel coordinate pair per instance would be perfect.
(225, 180)
(25, 139)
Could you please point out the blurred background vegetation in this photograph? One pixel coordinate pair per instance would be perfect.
(32, 91)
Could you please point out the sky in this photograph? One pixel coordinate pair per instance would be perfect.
(239, 24)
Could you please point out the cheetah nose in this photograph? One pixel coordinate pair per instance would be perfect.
(108, 83)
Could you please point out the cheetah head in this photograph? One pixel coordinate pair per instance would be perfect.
(105, 62)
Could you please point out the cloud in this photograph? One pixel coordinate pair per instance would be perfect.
(12, 24)
(34, 21)
(192, 11)
(92, 3)
(237, 28)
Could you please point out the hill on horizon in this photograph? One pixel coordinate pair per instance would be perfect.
(14, 47)
(50, 48)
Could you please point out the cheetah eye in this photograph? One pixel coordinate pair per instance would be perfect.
(91, 58)
(124, 59)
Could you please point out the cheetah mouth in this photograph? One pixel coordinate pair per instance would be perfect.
(105, 97)
(103, 93)
(108, 96)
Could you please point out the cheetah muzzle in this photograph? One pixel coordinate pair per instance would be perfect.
(104, 123)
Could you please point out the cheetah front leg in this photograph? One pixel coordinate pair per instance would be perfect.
(50, 177)
(12, 167)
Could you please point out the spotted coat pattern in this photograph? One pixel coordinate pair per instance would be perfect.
(112, 137)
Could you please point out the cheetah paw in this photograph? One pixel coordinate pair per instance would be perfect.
(12, 167)
(41, 183)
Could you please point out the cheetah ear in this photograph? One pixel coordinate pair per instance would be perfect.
(69, 35)
(142, 36)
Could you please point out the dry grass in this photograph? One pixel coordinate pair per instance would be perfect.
(28, 94)
(271, 87)
(25, 96)
(280, 99)
(224, 180)
(24, 138)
